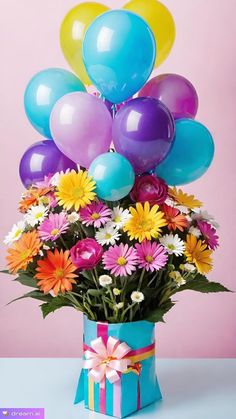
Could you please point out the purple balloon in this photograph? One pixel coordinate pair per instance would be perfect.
(143, 132)
(41, 159)
(176, 92)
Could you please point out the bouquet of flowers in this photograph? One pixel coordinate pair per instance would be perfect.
(116, 261)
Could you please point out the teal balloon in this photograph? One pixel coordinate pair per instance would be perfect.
(119, 52)
(43, 91)
(114, 176)
(190, 156)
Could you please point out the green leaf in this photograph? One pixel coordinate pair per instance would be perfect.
(95, 293)
(38, 295)
(55, 304)
(157, 314)
(27, 280)
(203, 285)
(5, 271)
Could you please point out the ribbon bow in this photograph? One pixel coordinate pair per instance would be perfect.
(106, 360)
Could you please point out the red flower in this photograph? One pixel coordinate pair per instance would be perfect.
(174, 218)
(149, 188)
(86, 254)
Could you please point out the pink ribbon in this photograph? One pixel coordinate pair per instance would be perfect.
(106, 360)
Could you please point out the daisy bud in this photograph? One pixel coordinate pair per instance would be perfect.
(105, 280)
(137, 297)
(116, 291)
(119, 305)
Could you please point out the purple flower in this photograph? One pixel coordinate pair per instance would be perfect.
(149, 188)
(209, 234)
(86, 254)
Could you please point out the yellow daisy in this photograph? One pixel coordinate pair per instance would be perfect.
(75, 190)
(144, 223)
(197, 252)
(184, 199)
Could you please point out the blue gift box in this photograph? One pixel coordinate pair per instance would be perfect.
(137, 386)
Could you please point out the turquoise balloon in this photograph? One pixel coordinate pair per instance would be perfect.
(190, 156)
(114, 176)
(43, 91)
(119, 52)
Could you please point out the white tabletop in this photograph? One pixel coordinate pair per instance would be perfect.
(192, 389)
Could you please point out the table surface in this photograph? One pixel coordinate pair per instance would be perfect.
(192, 389)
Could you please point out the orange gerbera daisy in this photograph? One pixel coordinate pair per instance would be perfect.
(31, 197)
(184, 199)
(174, 218)
(23, 251)
(198, 253)
(56, 272)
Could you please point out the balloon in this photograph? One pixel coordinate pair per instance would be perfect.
(190, 156)
(143, 132)
(41, 159)
(161, 23)
(73, 29)
(176, 92)
(81, 127)
(43, 91)
(114, 176)
(119, 54)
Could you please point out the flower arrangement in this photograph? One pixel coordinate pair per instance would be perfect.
(115, 261)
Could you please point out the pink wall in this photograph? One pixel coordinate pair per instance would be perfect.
(200, 325)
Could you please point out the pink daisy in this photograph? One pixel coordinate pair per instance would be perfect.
(151, 256)
(53, 226)
(209, 234)
(45, 183)
(96, 214)
(120, 260)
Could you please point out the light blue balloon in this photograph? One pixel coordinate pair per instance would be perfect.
(119, 52)
(114, 176)
(43, 91)
(190, 156)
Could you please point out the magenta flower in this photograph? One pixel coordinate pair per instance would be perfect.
(86, 254)
(151, 256)
(53, 226)
(120, 260)
(209, 234)
(96, 214)
(149, 188)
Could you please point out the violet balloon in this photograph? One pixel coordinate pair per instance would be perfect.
(81, 127)
(176, 92)
(41, 159)
(143, 132)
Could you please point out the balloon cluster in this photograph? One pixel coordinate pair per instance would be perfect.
(155, 131)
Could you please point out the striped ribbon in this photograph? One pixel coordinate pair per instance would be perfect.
(135, 356)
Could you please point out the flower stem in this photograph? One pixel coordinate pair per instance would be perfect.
(141, 279)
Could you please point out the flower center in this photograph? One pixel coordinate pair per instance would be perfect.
(149, 258)
(17, 233)
(59, 273)
(108, 359)
(95, 216)
(171, 246)
(38, 215)
(117, 219)
(25, 254)
(78, 192)
(121, 261)
(54, 232)
(107, 236)
(146, 225)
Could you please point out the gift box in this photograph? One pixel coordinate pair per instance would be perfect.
(119, 375)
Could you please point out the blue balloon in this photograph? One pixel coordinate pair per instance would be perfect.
(43, 91)
(190, 156)
(119, 52)
(114, 176)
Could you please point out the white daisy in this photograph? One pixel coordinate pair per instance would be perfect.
(204, 216)
(188, 267)
(119, 217)
(137, 297)
(15, 232)
(182, 209)
(36, 215)
(105, 280)
(57, 176)
(73, 217)
(107, 235)
(195, 231)
(119, 305)
(176, 276)
(173, 244)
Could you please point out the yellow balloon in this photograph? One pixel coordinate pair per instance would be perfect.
(160, 21)
(72, 33)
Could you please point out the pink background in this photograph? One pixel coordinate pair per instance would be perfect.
(199, 325)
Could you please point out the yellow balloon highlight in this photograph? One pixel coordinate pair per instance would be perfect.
(72, 34)
(160, 21)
